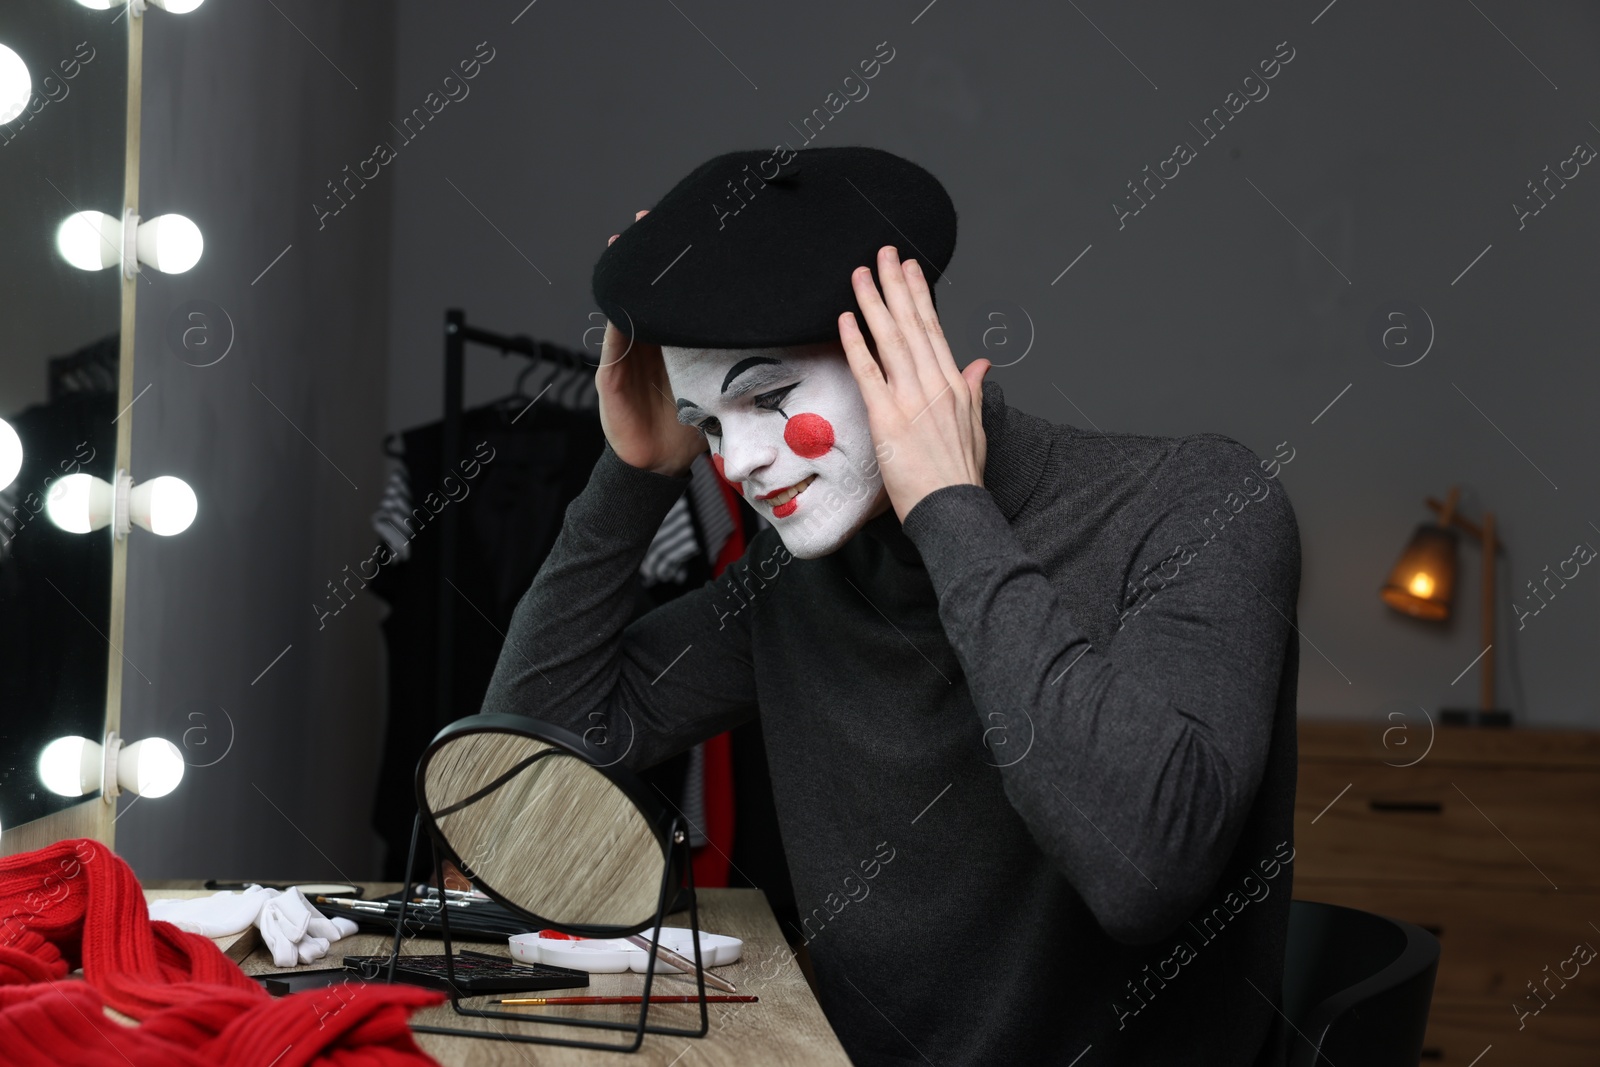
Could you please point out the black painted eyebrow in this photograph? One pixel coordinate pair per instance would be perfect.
(778, 370)
(744, 365)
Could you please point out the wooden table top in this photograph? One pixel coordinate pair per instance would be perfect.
(786, 1028)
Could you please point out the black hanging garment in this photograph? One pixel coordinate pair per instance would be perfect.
(510, 488)
(55, 587)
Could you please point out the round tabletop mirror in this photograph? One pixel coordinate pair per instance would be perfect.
(539, 827)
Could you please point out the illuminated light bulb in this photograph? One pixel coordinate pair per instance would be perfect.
(170, 243)
(16, 85)
(75, 766)
(80, 503)
(93, 240)
(71, 766)
(150, 768)
(10, 454)
(164, 505)
(90, 240)
(176, 7)
(1421, 585)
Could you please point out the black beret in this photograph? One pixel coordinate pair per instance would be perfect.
(755, 249)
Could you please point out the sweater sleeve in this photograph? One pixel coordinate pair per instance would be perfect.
(1146, 752)
(637, 691)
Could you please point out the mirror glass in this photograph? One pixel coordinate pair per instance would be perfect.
(545, 830)
(63, 94)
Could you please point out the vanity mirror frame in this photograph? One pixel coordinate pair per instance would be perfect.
(95, 816)
(670, 831)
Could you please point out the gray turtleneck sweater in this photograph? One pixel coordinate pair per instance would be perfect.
(1033, 751)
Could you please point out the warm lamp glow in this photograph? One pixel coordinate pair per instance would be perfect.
(1423, 582)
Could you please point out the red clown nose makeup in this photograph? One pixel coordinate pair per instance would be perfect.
(809, 435)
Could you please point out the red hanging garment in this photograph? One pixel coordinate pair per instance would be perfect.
(77, 903)
(711, 861)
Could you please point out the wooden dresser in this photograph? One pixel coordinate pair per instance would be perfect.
(1491, 840)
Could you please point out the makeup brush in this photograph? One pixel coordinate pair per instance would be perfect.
(674, 999)
(666, 955)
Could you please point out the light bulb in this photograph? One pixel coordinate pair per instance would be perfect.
(71, 766)
(1421, 585)
(90, 240)
(164, 505)
(177, 7)
(150, 768)
(10, 454)
(80, 503)
(170, 243)
(16, 85)
(74, 766)
(93, 240)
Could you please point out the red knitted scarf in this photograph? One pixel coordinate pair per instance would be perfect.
(76, 903)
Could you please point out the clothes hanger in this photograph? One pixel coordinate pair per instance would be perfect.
(519, 397)
(513, 406)
(573, 389)
(584, 394)
(572, 386)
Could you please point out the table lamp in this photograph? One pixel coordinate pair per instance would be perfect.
(1422, 585)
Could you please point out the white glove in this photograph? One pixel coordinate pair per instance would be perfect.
(221, 915)
(293, 930)
(296, 932)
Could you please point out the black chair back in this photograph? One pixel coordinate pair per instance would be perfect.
(1356, 989)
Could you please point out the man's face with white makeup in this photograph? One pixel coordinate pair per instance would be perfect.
(788, 427)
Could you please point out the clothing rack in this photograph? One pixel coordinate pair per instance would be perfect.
(456, 336)
(90, 369)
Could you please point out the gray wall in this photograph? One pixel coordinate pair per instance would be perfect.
(1394, 141)
(1392, 145)
(244, 121)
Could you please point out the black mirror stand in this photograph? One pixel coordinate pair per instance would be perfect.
(679, 843)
